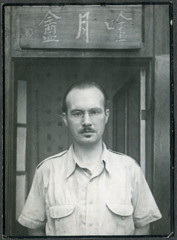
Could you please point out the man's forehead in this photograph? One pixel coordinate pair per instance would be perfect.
(86, 96)
(81, 92)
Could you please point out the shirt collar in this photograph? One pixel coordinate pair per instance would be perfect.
(71, 161)
(106, 157)
(71, 164)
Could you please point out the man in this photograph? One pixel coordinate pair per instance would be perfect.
(88, 190)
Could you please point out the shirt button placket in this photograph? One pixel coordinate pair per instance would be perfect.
(89, 208)
(82, 208)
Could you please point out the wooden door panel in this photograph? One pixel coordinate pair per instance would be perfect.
(133, 120)
(127, 119)
(119, 124)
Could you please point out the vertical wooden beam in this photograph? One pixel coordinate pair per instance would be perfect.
(143, 120)
(161, 185)
(161, 166)
(9, 129)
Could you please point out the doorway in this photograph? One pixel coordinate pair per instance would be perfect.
(40, 130)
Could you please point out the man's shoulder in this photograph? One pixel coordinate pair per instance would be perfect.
(116, 153)
(122, 158)
(57, 157)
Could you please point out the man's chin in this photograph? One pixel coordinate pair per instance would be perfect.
(88, 139)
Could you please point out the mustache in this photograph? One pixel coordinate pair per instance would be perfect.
(86, 130)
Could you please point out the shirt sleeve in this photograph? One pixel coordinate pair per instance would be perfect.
(145, 207)
(33, 213)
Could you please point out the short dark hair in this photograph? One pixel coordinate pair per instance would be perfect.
(84, 85)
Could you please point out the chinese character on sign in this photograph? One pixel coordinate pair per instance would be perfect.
(83, 27)
(120, 22)
(49, 23)
(29, 32)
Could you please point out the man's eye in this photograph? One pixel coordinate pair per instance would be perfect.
(77, 114)
(95, 112)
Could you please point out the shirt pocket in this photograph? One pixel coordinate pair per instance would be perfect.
(63, 218)
(120, 219)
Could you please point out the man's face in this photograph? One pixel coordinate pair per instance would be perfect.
(86, 116)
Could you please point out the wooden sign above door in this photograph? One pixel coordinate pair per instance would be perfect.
(81, 26)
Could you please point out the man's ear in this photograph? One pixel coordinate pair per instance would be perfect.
(64, 118)
(107, 111)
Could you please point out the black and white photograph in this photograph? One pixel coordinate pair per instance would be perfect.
(88, 143)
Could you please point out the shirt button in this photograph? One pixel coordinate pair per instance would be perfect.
(91, 202)
(90, 224)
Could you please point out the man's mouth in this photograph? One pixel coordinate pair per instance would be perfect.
(87, 131)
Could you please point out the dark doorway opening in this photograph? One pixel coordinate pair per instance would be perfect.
(41, 84)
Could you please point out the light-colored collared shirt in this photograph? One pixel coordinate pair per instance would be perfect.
(70, 200)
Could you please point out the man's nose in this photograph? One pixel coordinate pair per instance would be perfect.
(86, 119)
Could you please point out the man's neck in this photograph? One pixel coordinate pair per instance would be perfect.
(89, 155)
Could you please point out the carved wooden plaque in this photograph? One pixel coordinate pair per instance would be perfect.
(81, 26)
